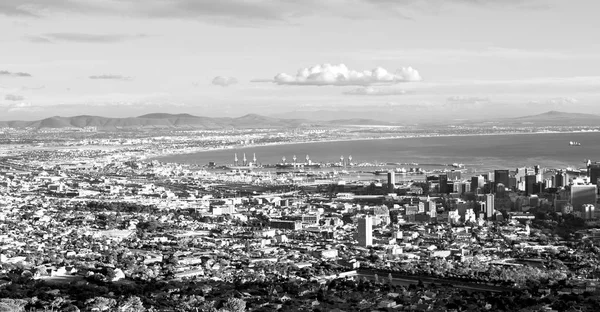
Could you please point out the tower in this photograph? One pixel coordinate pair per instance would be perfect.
(391, 176)
(530, 185)
(444, 184)
(350, 160)
(283, 159)
(235, 159)
(489, 206)
(594, 172)
(245, 160)
(254, 158)
(307, 160)
(342, 160)
(500, 177)
(582, 195)
(365, 231)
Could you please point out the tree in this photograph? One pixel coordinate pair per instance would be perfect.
(12, 305)
(132, 304)
(100, 304)
(234, 305)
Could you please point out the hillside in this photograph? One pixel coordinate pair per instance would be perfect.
(556, 118)
(164, 120)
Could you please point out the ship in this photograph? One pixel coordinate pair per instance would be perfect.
(573, 143)
(380, 172)
(400, 170)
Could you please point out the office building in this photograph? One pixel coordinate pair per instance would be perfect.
(365, 231)
(391, 177)
(489, 206)
(444, 184)
(588, 212)
(530, 185)
(560, 179)
(454, 175)
(582, 195)
(501, 177)
(594, 172)
(476, 183)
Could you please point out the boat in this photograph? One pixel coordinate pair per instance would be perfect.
(400, 170)
(573, 143)
(380, 172)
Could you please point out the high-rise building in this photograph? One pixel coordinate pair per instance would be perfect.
(489, 206)
(588, 211)
(512, 183)
(391, 176)
(365, 231)
(501, 177)
(530, 185)
(444, 184)
(594, 172)
(560, 179)
(582, 195)
(475, 183)
(454, 175)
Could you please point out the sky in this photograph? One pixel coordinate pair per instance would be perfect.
(321, 59)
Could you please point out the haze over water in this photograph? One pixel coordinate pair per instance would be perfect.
(549, 150)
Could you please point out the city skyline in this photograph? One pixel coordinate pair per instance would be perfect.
(228, 58)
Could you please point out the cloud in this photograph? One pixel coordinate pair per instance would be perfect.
(240, 9)
(375, 91)
(224, 81)
(467, 99)
(340, 75)
(15, 74)
(14, 97)
(21, 107)
(556, 103)
(459, 102)
(236, 11)
(110, 77)
(83, 38)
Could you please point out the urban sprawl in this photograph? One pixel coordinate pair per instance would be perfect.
(88, 227)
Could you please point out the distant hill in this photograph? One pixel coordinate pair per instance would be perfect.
(164, 120)
(556, 118)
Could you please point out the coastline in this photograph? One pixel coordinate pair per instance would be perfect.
(250, 146)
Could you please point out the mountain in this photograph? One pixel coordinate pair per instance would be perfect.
(556, 118)
(164, 120)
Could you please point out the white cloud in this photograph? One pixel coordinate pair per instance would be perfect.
(375, 91)
(21, 107)
(340, 75)
(467, 99)
(110, 77)
(556, 103)
(14, 97)
(224, 81)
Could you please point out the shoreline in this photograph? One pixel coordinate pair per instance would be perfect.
(249, 146)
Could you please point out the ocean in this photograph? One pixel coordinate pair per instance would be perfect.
(479, 153)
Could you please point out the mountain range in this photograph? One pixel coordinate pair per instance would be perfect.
(164, 120)
(254, 121)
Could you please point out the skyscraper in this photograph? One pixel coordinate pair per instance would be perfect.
(489, 206)
(444, 184)
(391, 176)
(501, 176)
(477, 182)
(594, 172)
(365, 231)
(530, 185)
(582, 195)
